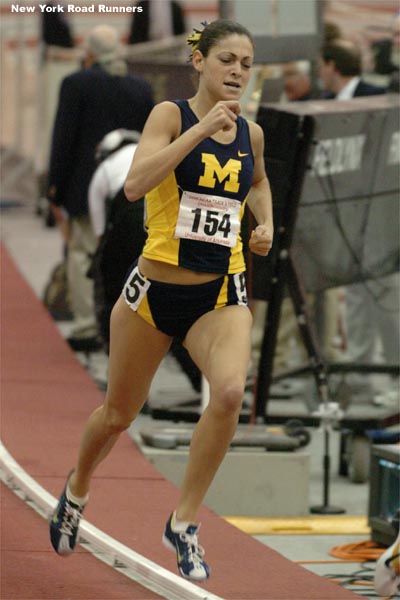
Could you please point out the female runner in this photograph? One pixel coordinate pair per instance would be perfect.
(198, 163)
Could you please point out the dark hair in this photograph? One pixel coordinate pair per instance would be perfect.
(332, 32)
(347, 58)
(218, 30)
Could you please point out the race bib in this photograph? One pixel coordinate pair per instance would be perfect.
(135, 288)
(211, 219)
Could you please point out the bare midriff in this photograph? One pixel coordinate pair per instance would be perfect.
(161, 271)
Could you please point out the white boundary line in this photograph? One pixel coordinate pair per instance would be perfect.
(102, 546)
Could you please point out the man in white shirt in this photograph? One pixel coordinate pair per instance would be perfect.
(119, 227)
(340, 69)
(115, 153)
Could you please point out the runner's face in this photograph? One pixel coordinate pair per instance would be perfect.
(226, 69)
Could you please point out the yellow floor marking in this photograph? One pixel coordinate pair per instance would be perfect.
(323, 525)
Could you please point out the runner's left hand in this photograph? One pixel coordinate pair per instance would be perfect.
(261, 240)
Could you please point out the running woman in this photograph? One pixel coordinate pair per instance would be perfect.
(198, 163)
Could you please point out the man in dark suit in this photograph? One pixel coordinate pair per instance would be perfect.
(93, 101)
(340, 69)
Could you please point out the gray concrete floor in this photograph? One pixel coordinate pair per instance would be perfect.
(36, 249)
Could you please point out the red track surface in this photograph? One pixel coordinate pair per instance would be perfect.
(30, 568)
(46, 397)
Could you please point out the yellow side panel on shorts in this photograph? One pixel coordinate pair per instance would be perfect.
(145, 312)
(222, 299)
(162, 207)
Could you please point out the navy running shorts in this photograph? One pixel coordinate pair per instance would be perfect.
(173, 308)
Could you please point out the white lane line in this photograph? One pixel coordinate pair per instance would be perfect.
(135, 566)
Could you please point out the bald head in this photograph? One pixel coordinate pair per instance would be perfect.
(103, 43)
(296, 80)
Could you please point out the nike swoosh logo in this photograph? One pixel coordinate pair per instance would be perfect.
(241, 154)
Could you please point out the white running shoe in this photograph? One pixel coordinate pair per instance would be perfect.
(387, 572)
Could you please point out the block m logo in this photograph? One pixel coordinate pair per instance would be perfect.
(214, 171)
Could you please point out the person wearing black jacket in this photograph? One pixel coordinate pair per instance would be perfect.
(340, 69)
(56, 30)
(150, 24)
(93, 101)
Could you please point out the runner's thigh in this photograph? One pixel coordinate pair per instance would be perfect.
(219, 342)
(136, 350)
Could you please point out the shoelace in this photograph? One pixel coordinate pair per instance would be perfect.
(196, 552)
(71, 518)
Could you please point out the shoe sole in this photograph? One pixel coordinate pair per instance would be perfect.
(167, 543)
(170, 546)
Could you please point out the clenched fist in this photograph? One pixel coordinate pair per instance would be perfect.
(261, 240)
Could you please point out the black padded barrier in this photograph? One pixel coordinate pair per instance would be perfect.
(334, 173)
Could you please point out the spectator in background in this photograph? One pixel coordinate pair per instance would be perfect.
(296, 87)
(158, 20)
(371, 312)
(93, 101)
(340, 71)
(117, 223)
(56, 62)
(56, 30)
(324, 305)
(387, 52)
(297, 82)
(119, 227)
(387, 56)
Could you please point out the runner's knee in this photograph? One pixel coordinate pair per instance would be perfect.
(228, 398)
(117, 421)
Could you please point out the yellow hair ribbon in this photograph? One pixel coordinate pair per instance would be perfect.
(194, 38)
